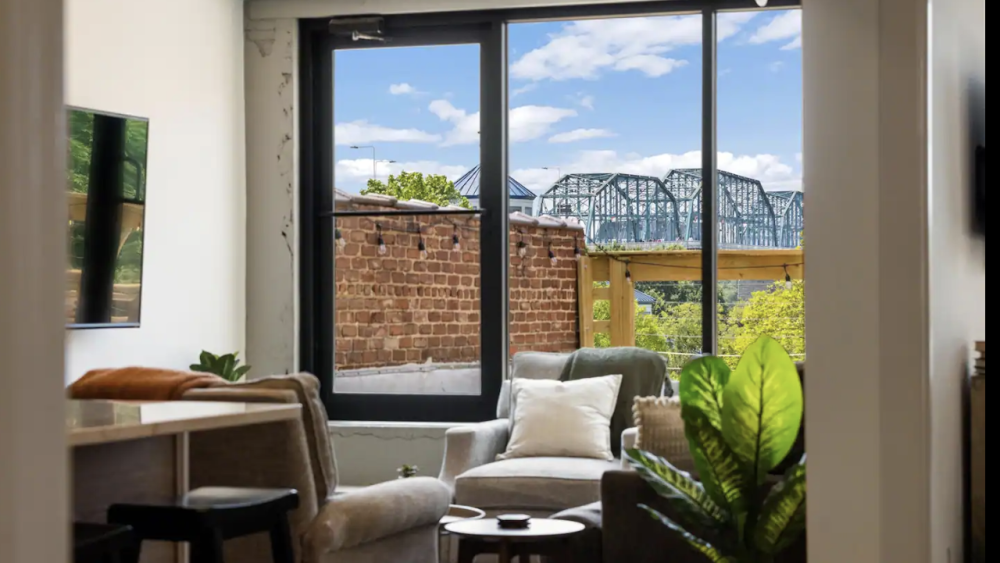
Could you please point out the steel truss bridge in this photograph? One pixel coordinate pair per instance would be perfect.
(631, 210)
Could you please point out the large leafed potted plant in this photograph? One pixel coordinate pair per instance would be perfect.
(740, 426)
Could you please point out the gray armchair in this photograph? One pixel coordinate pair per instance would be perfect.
(536, 486)
(395, 521)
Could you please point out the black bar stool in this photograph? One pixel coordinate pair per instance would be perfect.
(207, 518)
(96, 543)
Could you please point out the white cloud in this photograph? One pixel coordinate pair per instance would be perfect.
(403, 90)
(795, 44)
(523, 89)
(769, 169)
(526, 123)
(587, 102)
(783, 27)
(581, 135)
(362, 132)
(587, 49)
(353, 175)
(776, 66)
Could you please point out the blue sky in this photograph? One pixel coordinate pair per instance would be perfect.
(619, 95)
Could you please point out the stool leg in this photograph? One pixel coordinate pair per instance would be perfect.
(281, 541)
(208, 549)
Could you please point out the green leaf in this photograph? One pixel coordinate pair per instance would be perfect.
(198, 368)
(684, 494)
(703, 382)
(762, 408)
(241, 371)
(783, 517)
(702, 546)
(721, 472)
(208, 360)
(227, 367)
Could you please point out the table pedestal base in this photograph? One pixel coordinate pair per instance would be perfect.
(510, 550)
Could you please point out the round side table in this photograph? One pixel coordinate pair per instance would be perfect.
(456, 513)
(544, 537)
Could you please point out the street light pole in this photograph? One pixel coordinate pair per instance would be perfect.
(383, 162)
(374, 162)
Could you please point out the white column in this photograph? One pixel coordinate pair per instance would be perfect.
(866, 164)
(34, 491)
(271, 67)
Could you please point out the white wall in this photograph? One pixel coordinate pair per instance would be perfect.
(180, 64)
(957, 259)
(34, 482)
(323, 8)
(868, 412)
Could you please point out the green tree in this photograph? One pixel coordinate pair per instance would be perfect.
(414, 185)
(675, 327)
(779, 312)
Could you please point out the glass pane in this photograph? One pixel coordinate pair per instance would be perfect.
(761, 290)
(407, 288)
(106, 211)
(604, 114)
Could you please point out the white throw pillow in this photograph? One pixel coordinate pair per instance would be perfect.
(563, 419)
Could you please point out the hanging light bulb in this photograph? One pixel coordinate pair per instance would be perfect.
(422, 248)
(522, 249)
(552, 257)
(577, 253)
(788, 279)
(339, 237)
(455, 242)
(382, 248)
(762, 3)
(628, 275)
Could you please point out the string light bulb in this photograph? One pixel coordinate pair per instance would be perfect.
(422, 247)
(382, 248)
(455, 242)
(788, 279)
(628, 275)
(577, 253)
(339, 237)
(552, 256)
(522, 249)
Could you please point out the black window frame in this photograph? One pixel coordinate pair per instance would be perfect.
(488, 29)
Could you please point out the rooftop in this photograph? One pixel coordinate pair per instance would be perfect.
(468, 186)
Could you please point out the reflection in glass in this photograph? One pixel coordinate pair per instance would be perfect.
(107, 194)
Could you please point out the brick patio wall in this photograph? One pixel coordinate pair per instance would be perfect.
(400, 308)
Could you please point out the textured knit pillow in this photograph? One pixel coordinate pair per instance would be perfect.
(661, 430)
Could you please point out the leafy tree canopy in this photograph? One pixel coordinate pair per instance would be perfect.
(675, 326)
(414, 185)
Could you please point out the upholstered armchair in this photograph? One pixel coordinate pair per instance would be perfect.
(536, 486)
(394, 522)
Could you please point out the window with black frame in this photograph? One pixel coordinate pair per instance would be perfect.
(429, 260)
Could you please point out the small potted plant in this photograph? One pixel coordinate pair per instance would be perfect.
(408, 471)
(227, 367)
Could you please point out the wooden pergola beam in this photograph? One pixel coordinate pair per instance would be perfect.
(685, 265)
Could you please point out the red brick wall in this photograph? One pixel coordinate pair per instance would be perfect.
(399, 308)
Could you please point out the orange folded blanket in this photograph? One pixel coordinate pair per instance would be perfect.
(140, 384)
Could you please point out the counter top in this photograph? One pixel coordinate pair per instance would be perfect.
(101, 422)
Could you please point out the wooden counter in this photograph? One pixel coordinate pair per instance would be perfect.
(103, 422)
(138, 452)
